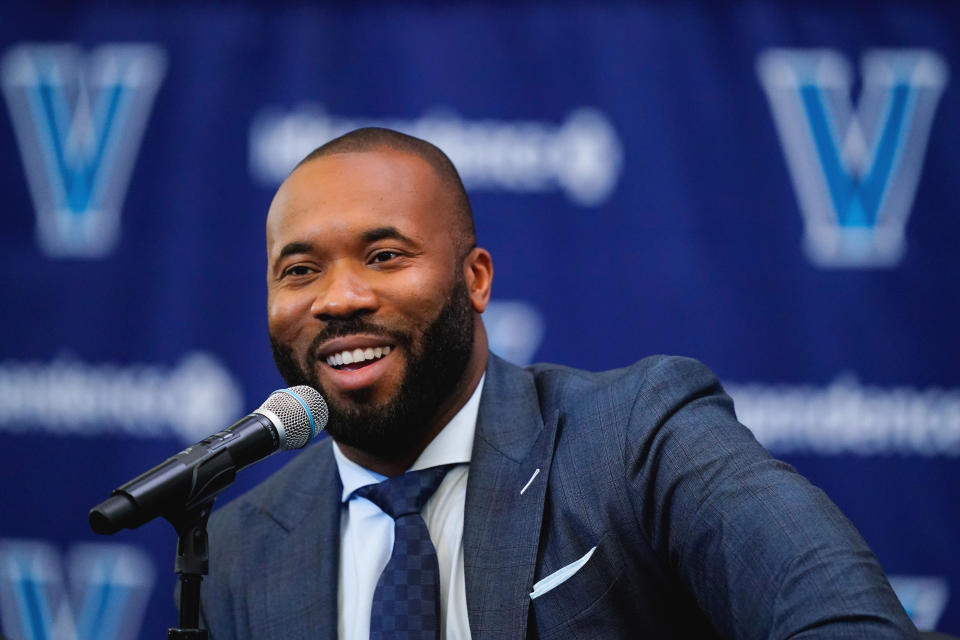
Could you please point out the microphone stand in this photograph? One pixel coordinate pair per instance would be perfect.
(192, 563)
(183, 488)
(214, 469)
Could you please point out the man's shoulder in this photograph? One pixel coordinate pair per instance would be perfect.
(661, 379)
(269, 499)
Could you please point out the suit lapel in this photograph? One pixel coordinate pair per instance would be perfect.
(501, 524)
(299, 591)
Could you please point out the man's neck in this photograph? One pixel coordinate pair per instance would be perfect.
(386, 467)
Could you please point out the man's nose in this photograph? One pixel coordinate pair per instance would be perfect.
(344, 292)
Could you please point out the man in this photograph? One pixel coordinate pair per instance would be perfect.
(623, 504)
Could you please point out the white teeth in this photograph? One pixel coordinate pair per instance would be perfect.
(356, 355)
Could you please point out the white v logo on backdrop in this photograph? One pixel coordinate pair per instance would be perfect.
(855, 171)
(79, 120)
(109, 587)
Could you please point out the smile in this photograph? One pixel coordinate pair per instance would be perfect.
(356, 358)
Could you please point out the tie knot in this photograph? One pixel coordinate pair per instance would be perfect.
(404, 494)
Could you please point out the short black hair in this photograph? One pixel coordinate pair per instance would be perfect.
(376, 138)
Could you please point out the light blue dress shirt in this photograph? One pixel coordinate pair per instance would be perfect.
(366, 532)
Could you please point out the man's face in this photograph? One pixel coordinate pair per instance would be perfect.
(367, 299)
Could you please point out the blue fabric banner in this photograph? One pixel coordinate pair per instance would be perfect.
(766, 187)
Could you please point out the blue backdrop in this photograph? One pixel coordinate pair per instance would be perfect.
(765, 187)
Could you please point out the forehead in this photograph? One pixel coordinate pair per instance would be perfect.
(347, 192)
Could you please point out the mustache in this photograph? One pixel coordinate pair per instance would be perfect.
(340, 327)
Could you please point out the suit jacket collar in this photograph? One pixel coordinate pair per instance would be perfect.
(509, 420)
(506, 489)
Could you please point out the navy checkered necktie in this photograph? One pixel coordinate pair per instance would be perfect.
(406, 602)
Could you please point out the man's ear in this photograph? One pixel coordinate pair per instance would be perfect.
(478, 274)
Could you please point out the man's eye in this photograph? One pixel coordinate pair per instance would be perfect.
(297, 270)
(384, 256)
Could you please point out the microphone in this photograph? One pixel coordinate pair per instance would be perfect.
(288, 419)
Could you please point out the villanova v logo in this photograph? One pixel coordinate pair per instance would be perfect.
(855, 172)
(109, 583)
(79, 120)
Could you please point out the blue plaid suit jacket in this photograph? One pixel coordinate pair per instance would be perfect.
(699, 533)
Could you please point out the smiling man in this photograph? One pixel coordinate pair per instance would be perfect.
(374, 280)
(461, 496)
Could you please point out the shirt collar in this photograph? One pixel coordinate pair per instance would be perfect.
(453, 445)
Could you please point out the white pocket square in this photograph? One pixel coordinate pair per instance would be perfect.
(559, 576)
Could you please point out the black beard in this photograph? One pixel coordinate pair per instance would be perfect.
(434, 369)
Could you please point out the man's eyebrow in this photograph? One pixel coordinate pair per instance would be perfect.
(295, 247)
(383, 233)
